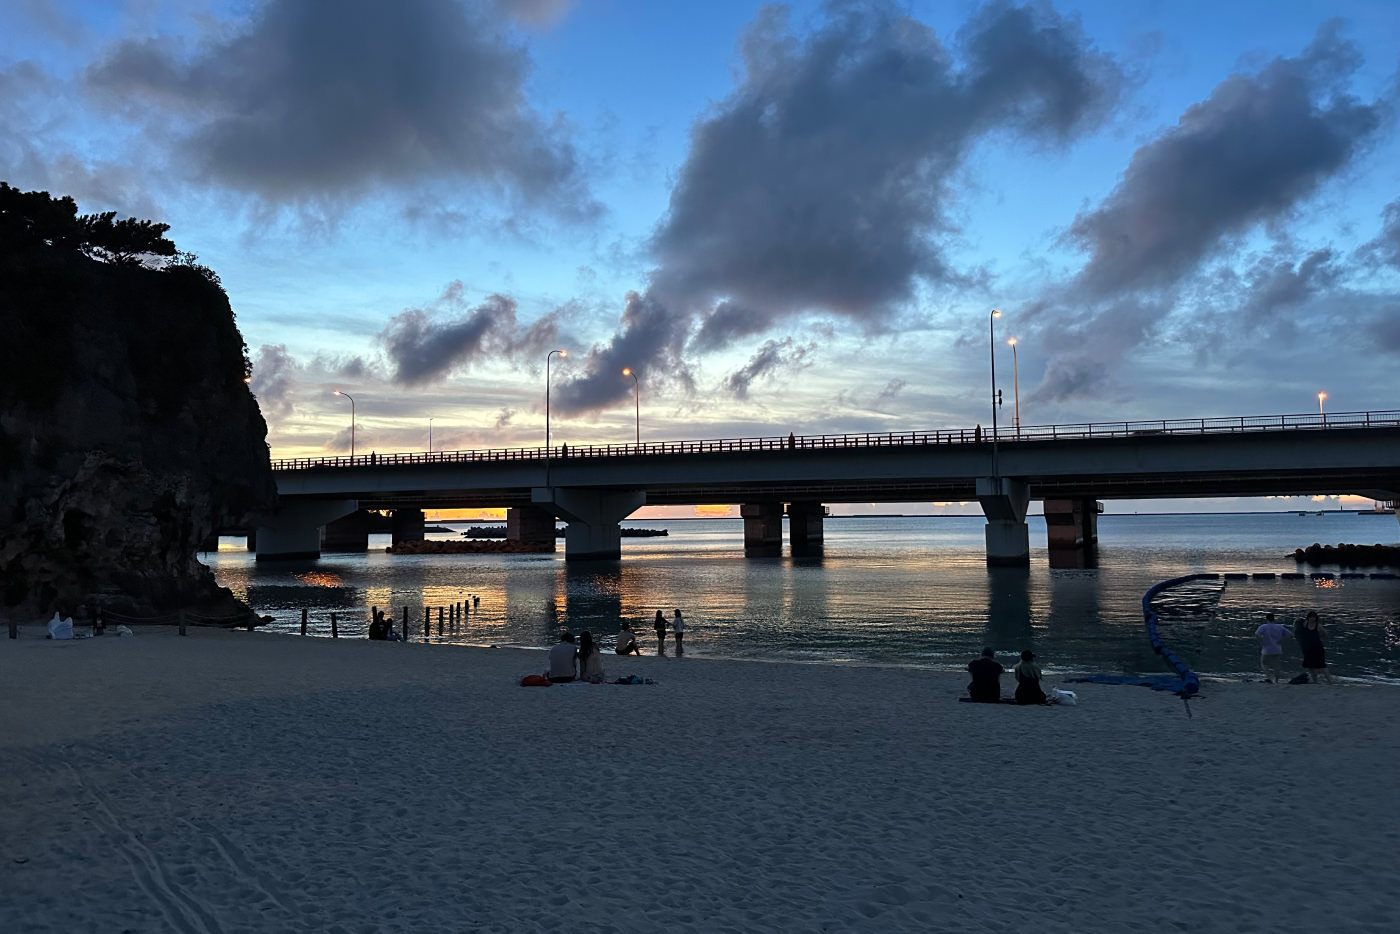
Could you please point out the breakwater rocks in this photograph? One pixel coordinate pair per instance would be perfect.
(499, 531)
(1349, 555)
(500, 547)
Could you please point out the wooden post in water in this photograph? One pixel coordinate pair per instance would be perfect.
(182, 621)
(439, 621)
(14, 629)
(335, 630)
(303, 621)
(427, 623)
(405, 623)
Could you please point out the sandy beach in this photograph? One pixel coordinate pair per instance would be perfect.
(234, 781)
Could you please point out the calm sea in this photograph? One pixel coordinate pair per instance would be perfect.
(900, 591)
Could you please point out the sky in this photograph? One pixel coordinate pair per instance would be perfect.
(781, 217)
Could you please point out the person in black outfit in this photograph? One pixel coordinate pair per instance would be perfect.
(986, 678)
(1028, 690)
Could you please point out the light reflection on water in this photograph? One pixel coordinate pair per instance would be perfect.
(911, 591)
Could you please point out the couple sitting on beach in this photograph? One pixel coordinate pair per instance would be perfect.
(570, 662)
(986, 680)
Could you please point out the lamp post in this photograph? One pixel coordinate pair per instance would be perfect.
(992, 344)
(1016, 383)
(430, 433)
(352, 419)
(636, 400)
(1320, 412)
(561, 353)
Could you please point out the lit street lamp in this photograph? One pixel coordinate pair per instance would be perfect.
(430, 433)
(992, 346)
(1320, 412)
(1016, 384)
(352, 419)
(636, 400)
(561, 353)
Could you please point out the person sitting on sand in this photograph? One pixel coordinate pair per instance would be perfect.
(1271, 636)
(627, 640)
(1028, 680)
(563, 660)
(986, 678)
(377, 628)
(590, 660)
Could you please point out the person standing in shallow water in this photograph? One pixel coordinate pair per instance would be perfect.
(660, 626)
(1309, 636)
(1271, 636)
(678, 627)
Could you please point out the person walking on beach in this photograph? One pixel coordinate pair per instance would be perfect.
(1309, 636)
(1271, 635)
(590, 660)
(678, 627)
(986, 678)
(1028, 680)
(627, 640)
(563, 660)
(660, 627)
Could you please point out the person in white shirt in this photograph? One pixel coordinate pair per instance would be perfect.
(563, 660)
(1271, 636)
(627, 640)
(678, 627)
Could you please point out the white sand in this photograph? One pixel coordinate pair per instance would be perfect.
(231, 781)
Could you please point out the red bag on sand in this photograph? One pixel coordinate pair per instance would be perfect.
(534, 681)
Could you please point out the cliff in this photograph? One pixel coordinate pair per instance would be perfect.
(127, 432)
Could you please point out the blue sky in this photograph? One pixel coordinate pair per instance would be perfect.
(782, 217)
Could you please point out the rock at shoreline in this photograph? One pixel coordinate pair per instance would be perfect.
(127, 431)
(1349, 555)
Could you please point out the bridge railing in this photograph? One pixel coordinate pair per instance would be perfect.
(857, 440)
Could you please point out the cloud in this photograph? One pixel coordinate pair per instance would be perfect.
(538, 13)
(323, 101)
(773, 357)
(893, 388)
(274, 377)
(1385, 248)
(648, 342)
(424, 346)
(822, 183)
(1242, 159)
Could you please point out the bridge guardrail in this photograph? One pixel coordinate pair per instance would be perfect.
(942, 436)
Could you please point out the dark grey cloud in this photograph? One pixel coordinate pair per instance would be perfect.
(1246, 155)
(1241, 160)
(772, 358)
(539, 13)
(648, 342)
(274, 379)
(893, 388)
(423, 347)
(822, 183)
(326, 100)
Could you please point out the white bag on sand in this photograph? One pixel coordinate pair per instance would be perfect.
(124, 631)
(1061, 696)
(60, 628)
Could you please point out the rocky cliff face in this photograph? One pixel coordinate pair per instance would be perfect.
(127, 435)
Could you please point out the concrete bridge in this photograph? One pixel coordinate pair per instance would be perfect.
(1070, 468)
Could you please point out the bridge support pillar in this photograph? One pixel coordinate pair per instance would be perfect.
(252, 543)
(348, 533)
(593, 516)
(407, 525)
(532, 525)
(1004, 501)
(294, 530)
(1072, 531)
(805, 528)
(763, 529)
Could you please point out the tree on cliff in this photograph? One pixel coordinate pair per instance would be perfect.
(35, 218)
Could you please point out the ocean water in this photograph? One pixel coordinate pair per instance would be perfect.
(888, 591)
